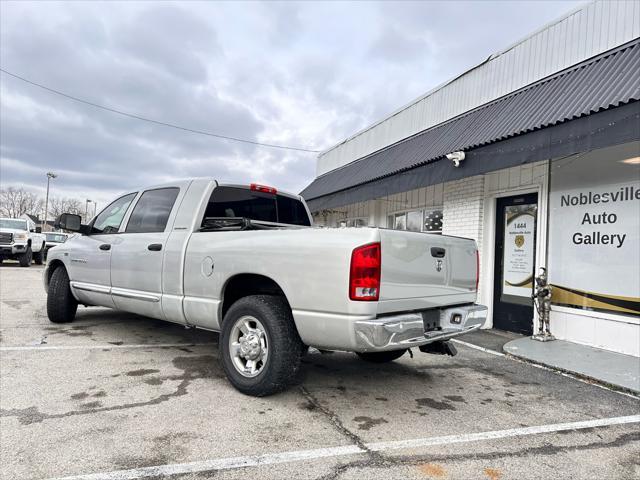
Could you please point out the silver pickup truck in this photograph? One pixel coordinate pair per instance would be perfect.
(245, 261)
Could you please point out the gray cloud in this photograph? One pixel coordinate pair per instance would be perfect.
(304, 74)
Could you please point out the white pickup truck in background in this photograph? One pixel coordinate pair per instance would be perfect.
(244, 261)
(21, 240)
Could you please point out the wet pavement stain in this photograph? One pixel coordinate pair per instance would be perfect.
(309, 406)
(91, 405)
(455, 398)
(79, 396)
(435, 404)
(367, 423)
(141, 372)
(193, 368)
(382, 399)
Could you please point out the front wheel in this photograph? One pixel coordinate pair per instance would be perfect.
(381, 357)
(260, 346)
(61, 304)
(26, 257)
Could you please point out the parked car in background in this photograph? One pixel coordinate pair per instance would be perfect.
(243, 261)
(54, 239)
(21, 240)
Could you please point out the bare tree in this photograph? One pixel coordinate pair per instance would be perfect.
(15, 202)
(59, 205)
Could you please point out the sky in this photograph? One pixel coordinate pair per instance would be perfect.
(303, 74)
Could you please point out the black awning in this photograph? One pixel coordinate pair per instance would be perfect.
(597, 85)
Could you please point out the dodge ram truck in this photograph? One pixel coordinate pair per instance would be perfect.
(245, 261)
(21, 240)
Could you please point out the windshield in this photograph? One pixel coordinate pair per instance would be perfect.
(56, 237)
(14, 223)
(266, 207)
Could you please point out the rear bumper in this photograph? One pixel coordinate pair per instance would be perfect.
(408, 330)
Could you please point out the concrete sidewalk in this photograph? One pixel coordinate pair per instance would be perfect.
(615, 369)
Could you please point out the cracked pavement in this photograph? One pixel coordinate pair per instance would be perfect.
(94, 405)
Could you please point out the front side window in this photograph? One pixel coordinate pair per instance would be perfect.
(109, 220)
(152, 211)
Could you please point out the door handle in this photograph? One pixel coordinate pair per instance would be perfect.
(155, 247)
(105, 246)
(437, 252)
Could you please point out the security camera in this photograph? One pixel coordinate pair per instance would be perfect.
(456, 158)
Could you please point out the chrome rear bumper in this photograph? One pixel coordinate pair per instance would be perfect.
(408, 330)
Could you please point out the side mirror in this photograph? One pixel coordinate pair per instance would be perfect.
(69, 221)
(38, 229)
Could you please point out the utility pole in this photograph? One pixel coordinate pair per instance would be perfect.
(86, 210)
(50, 175)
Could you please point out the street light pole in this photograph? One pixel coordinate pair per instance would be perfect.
(50, 175)
(86, 210)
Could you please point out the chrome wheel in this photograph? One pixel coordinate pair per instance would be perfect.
(248, 346)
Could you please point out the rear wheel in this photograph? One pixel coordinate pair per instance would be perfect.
(26, 257)
(381, 357)
(39, 257)
(61, 304)
(260, 346)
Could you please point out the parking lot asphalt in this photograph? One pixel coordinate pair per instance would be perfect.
(117, 396)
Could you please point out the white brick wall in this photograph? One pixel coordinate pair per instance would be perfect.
(463, 206)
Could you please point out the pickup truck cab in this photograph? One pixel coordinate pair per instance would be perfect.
(21, 240)
(246, 262)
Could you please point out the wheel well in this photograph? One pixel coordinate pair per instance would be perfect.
(52, 267)
(246, 284)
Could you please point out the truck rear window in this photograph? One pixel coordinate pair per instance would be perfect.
(266, 207)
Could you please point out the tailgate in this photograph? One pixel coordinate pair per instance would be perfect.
(421, 270)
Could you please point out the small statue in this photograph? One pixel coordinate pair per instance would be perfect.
(542, 301)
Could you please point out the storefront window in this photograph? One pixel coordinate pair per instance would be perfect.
(594, 230)
(433, 221)
(353, 222)
(429, 220)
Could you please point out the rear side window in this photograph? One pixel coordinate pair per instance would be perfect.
(152, 211)
(266, 207)
(291, 211)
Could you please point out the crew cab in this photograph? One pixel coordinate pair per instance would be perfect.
(21, 240)
(245, 261)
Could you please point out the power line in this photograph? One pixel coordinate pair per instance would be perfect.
(157, 122)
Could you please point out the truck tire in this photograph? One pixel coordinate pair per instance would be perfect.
(61, 304)
(260, 346)
(39, 257)
(381, 357)
(26, 257)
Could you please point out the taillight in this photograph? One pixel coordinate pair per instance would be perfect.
(262, 188)
(477, 269)
(364, 277)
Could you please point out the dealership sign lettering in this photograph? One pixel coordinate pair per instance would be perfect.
(597, 237)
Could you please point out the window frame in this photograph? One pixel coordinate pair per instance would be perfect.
(136, 201)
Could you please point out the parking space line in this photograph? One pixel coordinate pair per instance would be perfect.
(306, 455)
(109, 346)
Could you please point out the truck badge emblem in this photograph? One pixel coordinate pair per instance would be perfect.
(438, 265)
